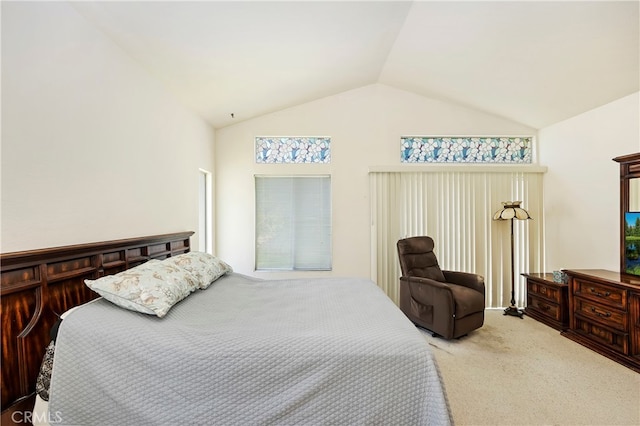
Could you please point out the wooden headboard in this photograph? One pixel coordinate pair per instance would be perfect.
(37, 286)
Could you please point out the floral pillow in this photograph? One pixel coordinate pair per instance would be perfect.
(205, 267)
(151, 288)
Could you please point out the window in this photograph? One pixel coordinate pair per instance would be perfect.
(205, 237)
(456, 149)
(298, 149)
(293, 223)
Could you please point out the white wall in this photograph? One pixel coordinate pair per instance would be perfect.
(93, 148)
(582, 199)
(365, 126)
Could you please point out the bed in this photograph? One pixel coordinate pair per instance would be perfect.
(245, 351)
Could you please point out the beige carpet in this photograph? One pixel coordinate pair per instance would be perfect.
(521, 372)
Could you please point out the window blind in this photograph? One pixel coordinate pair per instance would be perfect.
(293, 222)
(455, 208)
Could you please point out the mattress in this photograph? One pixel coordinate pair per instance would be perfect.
(249, 352)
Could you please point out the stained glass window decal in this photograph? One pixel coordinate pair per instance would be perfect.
(420, 149)
(277, 150)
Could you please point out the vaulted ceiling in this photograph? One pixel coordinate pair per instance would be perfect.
(536, 63)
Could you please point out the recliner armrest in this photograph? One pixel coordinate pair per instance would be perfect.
(466, 279)
(424, 280)
(437, 290)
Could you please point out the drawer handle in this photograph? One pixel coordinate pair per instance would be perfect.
(544, 307)
(600, 314)
(606, 294)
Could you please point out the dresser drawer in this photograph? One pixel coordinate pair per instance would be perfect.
(605, 313)
(544, 307)
(545, 291)
(601, 293)
(602, 313)
(618, 341)
(547, 300)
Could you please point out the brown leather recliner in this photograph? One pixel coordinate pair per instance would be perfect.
(448, 303)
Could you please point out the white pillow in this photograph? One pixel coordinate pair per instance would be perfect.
(204, 266)
(151, 288)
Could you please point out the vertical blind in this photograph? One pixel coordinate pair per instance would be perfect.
(455, 208)
(293, 222)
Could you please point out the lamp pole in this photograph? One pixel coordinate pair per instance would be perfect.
(513, 309)
(511, 210)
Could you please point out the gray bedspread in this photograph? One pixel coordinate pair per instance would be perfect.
(249, 352)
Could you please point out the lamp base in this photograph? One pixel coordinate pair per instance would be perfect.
(513, 311)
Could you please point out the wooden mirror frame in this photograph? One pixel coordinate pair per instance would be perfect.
(629, 169)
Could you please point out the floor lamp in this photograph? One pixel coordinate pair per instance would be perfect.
(511, 210)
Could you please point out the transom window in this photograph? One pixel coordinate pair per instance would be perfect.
(464, 149)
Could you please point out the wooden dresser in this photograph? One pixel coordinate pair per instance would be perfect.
(604, 313)
(547, 300)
